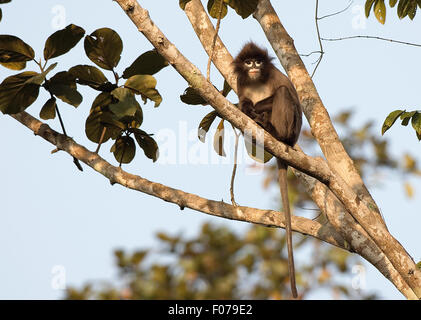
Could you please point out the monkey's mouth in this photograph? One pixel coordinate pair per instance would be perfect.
(254, 71)
(254, 74)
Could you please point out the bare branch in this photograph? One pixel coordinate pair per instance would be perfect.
(371, 37)
(353, 233)
(315, 167)
(316, 113)
(204, 30)
(338, 12)
(218, 24)
(318, 37)
(178, 197)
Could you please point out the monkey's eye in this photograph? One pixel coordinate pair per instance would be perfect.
(258, 63)
(248, 63)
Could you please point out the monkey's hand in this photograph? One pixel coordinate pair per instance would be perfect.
(246, 106)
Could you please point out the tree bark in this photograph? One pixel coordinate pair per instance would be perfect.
(182, 199)
(313, 167)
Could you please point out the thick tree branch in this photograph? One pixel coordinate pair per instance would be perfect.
(314, 167)
(339, 161)
(353, 233)
(313, 108)
(178, 197)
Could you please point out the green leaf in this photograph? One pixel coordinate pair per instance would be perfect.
(368, 5)
(416, 122)
(14, 65)
(102, 101)
(419, 3)
(243, 8)
(61, 41)
(126, 104)
(63, 86)
(214, 6)
(147, 143)
(218, 139)
(104, 47)
(48, 111)
(88, 75)
(101, 117)
(403, 8)
(390, 120)
(412, 10)
(191, 96)
(226, 89)
(124, 149)
(205, 125)
(18, 92)
(145, 86)
(138, 257)
(5, 1)
(183, 3)
(149, 62)
(406, 116)
(392, 3)
(13, 49)
(380, 11)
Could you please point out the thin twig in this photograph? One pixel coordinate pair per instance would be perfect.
(371, 37)
(61, 121)
(309, 54)
(75, 161)
(318, 37)
(218, 23)
(101, 139)
(333, 14)
(234, 169)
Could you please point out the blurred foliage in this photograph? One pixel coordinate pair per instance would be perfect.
(221, 264)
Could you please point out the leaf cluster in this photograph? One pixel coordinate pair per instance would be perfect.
(244, 8)
(404, 8)
(115, 112)
(405, 117)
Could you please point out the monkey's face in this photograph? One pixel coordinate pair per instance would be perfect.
(254, 68)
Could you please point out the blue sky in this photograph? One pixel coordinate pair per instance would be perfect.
(53, 215)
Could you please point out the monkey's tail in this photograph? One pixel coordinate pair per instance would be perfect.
(282, 167)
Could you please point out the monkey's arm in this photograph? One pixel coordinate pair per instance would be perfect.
(264, 105)
(286, 115)
(262, 118)
(246, 106)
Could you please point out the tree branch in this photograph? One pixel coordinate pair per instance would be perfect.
(353, 233)
(182, 199)
(313, 167)
(371, 37)
(359, 240)
(313, 108)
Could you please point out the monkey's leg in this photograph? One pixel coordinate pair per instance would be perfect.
(282, 168)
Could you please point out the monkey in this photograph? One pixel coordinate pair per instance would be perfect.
(268, 97)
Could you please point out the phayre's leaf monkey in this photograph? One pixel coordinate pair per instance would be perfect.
(269, 98)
